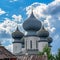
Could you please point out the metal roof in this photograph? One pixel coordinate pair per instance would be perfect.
(17, 34)
(43, 32)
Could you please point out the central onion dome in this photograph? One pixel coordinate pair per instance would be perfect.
(32, 24)
(17, 34)
(42, 32)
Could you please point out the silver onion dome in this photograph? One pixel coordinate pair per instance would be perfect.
(17, 34)
(49, 40)
(42, 32)
(32, 23)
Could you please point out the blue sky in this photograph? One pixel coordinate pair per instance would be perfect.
(13, 12)
(17, 6)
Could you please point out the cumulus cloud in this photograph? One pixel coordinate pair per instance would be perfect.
(17, 19)
(2, 12)
(49, 25)
(7, 27)
(9, 47)
(49, 14)
(38, 9)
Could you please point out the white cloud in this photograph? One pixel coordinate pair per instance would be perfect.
(9, 47)
(2, 12)
(56, 37)
(13, 0)
(57, 0)
(18, 19)
(6, 41)
(50, 13)
(38, 9)
(7, 27)
(58, 18)
(49, 25)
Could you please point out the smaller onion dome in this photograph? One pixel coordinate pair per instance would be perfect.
(17, 34)
(32, 23)
(49, 45)
(42, 32)
(49, 40)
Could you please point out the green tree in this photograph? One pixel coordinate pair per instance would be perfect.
(57, 57)
(47, 50)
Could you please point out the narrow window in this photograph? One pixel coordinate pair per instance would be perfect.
(26, 44)
(31, 44)
(36, 44)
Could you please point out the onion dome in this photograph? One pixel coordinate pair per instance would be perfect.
(42, 32)
(49, 40)
(49, 45)
(32, 23)
(17, 34)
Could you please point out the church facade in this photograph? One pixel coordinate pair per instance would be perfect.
(34, 41)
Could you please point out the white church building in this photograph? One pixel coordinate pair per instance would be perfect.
(34, 41)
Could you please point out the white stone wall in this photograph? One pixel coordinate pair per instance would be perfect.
(17, 47)
(33, 39)
(41, 45)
